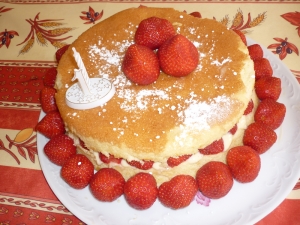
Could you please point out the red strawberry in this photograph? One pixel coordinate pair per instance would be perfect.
(270, 113)
(178, 192)
(109, 159)
(214, 148)
(255, 51)
(77, 171)
(59, 53)
(145, 165)
(50, 77)
(214, 179)
(153, 32)
(244, 163)
(172, 161)
(259, 137)
(249, 108)
(262, 68)
(141, 65)
(178, 56)
(47, 98)
(51, 125)
(268, 87)
(82, 144)
(242, 36)
(233, 130)
(140, 191)
(59, 149)
(107, 185)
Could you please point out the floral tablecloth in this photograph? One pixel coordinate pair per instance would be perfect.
(30, 33)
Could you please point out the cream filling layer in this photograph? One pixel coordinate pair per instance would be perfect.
(227, 140)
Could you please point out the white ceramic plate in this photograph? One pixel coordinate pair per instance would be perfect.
(245, 204)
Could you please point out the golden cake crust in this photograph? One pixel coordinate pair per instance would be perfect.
(171, 117)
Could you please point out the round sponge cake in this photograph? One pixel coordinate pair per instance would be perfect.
(169, 118)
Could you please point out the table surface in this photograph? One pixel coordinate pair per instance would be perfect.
(27, 54)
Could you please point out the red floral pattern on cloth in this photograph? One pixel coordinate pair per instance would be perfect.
(21, 82)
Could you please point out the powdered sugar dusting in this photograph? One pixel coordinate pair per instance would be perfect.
(198, 114)
(140, 100)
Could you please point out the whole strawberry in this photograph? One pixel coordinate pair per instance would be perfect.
(153, 32)
(59, 53)
(140, 191)
(255, 51)
(175, 161)
(259, 137)
(51, 125)
(262, 68)
(214, 179)
(178, 192)
(59, 149)
(107, 185)
(50, 77)
(77, 171)
(268, 87)
(178, 56)
(214, 148)
(244, 163)
(270, 113)
(140, 65)
(47, 99)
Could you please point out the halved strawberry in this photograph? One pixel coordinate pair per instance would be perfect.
(153, 32)
(107, 185)
(268, 87)
(77, 171)
(140, 191)
(249, 108)
(47, 99)
(51, 125)
(109, 159)
(270, 113)
(214, 148)
(242, 36)
(178, 192)
(214, 179)
(145, 165)
(262, 68)
(255, 51)
(140, 65)
(175, 161)
(233, 130)
(244, 163)
(178, 56)
(59, 53)
(59, 149)
(259, 137)
(50, 77)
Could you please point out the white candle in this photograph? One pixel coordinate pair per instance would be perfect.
(81, 74)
